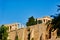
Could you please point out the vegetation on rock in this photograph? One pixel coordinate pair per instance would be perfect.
(31, 21)
(3, 32)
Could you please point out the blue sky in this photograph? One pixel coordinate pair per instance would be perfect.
(12, 11)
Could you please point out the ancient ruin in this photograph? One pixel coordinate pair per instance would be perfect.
(34, 32)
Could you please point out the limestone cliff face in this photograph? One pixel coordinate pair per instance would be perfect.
(22, 34)
(35, 32)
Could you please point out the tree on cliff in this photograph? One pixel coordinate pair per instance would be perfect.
(3, 32)
(56, 22)
(31, 21)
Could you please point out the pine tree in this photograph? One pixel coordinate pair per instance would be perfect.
(31, 21)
